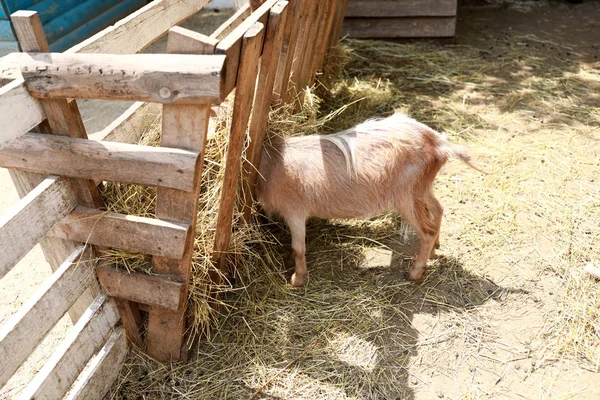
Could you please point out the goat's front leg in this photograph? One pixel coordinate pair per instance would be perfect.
(298, 230)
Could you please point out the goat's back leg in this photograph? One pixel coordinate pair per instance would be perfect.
(425, 218)
(437, 211)
(297, 227)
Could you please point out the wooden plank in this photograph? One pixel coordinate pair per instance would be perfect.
(183, 127)
(232, 44)
(190, 42)
(140, 29)
(84, 339)
(132, 321)
(128, 232)
(337, 26)
(251, 48)
(89, 26)
(24, 224)
(62, 119)
(111, 161)
(19, 112)
(284, 69)
(305, 21)
(129, 126)
(233, 22)
(323, 46)
(102, 370)
(404, 8)
(260, 116)
(174, 78)
(314, 38)
(27, 328)
(160, 291)
(313, 63)
(399, 27)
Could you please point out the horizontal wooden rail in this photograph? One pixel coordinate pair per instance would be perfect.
(19, 112)
(405, 8)
(233, 22)
(64, 366)
(28, 327)
(161, 78)
(111, 161)
(102, 371)
(24, 224)
(141, 288)
(137, 31)
(231, 45)
(108, 229)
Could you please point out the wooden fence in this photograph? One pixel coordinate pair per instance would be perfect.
(268, 55)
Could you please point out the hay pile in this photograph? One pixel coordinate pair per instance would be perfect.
(508, 237)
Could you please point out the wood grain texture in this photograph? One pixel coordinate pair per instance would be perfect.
(404, 8)
(338, 22)
(137, 31)
(300, 54)
(102, 370)
(111, 161)
(19, 112)
(288, 53)
(159, 291)
(183, 127)
(252, 45)
(128, 232)
(24, 224)
(64, 366)
(174, 78)
(132, 321)
(399, 27)
(129, 126)
(22, 333)
(190, 42)
(323, 45)
(233, 22)
(260, 110)
(306, 70)
(62, 119)
(231, 45)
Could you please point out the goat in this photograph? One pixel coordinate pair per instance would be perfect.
(380, 165)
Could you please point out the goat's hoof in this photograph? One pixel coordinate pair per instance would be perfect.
(415, 275)
(433, 255)
(297, 280)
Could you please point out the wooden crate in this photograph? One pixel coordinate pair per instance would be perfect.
(400, 19)
(269, 54)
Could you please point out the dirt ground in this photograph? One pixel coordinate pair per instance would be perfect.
(502, 313)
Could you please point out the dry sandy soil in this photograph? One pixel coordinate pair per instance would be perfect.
(502, 313)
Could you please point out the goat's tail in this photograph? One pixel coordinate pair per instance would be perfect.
(451, 149)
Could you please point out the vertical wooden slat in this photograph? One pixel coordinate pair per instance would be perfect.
(338, 22)
(184, 127)
(244, 94)
(286, 58)
(262, 101)
(305, 20)
(323, 44)
(306, 71)
(62, 120)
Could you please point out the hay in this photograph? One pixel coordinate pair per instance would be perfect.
(350, 332)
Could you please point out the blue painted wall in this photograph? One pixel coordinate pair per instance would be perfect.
(66, 22)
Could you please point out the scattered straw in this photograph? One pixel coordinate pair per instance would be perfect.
(509, 287)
